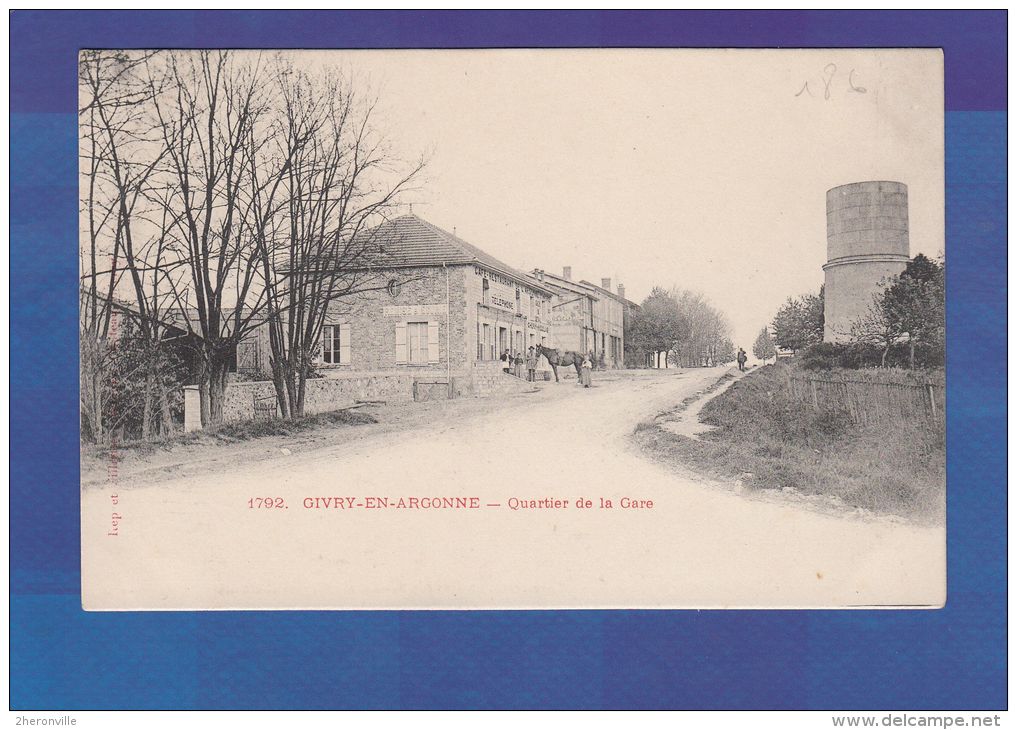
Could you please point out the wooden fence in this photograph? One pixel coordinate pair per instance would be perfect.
(866, 401)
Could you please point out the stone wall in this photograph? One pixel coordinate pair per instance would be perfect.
(324, 394)
(867, 243)
(489, 379)
(344, 389)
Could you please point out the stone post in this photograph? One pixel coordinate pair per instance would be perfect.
(192, 408)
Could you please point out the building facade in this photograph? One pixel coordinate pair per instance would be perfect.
(587, 318)
(438, 307)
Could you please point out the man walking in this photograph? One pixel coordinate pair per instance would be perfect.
(531, 364)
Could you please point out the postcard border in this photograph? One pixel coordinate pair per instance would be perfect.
(64, 658)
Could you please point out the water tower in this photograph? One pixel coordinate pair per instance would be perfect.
(867, 242)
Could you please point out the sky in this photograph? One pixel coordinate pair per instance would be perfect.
(703, 169)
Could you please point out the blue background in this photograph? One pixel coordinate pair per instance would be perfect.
(64, 658)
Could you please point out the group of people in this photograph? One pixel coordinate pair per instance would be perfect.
(513, 364)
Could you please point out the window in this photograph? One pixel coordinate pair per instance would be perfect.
(417, 341)
(519, 302)
(487, 292)
(335, 344)
(486, 346)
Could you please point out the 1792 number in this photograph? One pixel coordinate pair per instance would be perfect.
(266, 503)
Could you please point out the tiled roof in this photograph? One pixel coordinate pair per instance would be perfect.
(410, 241)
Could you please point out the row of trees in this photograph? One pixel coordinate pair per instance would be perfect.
(221, 190)
(682, 327)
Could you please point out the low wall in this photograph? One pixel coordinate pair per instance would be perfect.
(489, 379)
(339, 390)
(323, 394)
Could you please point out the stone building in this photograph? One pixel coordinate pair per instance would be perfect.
(443, 309)
(587, 318)
(867, 243)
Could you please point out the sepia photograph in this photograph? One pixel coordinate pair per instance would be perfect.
(512, 329)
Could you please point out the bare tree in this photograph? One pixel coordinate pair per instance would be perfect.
(318, 249)
(116, 172)
(877, 327)
(210, 111)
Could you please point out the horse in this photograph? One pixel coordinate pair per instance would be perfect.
(565, 358)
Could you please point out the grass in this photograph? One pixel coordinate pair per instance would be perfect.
(231, 433)
(770, 441)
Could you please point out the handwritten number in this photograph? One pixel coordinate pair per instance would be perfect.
(829, 71)
(851, 81)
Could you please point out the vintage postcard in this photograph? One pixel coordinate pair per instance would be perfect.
(499, 329)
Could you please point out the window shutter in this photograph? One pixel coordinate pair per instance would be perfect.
(400, 353)
(344, 344)
(432, 342)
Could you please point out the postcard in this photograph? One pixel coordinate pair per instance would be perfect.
(512, 329)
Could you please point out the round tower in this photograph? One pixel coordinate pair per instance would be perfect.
(867, 242)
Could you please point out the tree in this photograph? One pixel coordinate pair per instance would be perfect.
(212, 116)
(763, 347)
(683, 326)
(799, 322)
(913, 306)
(656, 326)
(877, 327)
(123, 249)
(316, 248)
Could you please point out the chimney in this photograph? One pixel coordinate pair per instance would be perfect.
(566, 272)
(605, 284)
(621, 290)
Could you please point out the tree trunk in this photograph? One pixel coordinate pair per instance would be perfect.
(165, 417)
(146, 409)
(911, 353)
(279, 382)
(212, 385)
(217, 390)
(204, 395)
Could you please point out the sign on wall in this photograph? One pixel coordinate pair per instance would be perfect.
(502, 296)
(413, 310)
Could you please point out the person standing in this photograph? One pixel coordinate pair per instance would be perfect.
(506, 361)
(531, 364)
(742, 357)
(518, 362)
(586, 377)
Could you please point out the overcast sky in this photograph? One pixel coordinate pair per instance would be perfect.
(702, 169)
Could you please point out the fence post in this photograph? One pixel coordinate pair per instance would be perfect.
(932, 401)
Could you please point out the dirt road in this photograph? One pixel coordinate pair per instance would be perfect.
(195, 541)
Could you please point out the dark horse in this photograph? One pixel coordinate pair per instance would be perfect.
(566, 358)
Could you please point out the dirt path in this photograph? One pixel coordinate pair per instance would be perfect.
(191, 541)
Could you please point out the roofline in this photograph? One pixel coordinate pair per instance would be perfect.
(579, 284)
(610, 293)
(516, 276)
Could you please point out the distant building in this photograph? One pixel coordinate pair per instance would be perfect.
(587, 318)
(867, 243)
